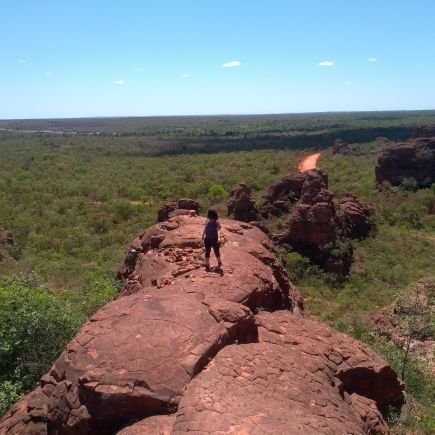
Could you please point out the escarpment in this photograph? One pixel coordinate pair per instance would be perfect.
(183, 351)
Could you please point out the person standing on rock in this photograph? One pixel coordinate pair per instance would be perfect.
(211, 237)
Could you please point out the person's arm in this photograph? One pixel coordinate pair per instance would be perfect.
(203, 233)
(219, 232)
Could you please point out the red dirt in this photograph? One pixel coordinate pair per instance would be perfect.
(309, 163)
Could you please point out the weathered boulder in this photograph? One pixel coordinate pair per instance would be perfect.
(341, 147)
(241, 204)
(356, 216)
(180, 207)
(353, 365)
(301, 377)
(414, 160)
(285, 192)
(133, 359)
(315, 230)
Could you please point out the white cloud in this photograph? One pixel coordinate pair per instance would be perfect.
(348, 83)
(232, 64)
(22, 61)
(119, 82)
(48, 73)
(326, 63)
(371, 59)
(185, 76)
(138, 69)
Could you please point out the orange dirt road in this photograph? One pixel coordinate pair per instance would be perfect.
(309, 163)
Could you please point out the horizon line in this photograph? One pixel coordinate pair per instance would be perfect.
(216, 114)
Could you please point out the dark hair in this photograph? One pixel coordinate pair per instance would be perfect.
(212, 214)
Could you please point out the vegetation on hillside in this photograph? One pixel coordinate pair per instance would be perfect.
(73, 202)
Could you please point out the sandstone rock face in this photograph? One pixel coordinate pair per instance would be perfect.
(129, 369)
(157, 425)
(172, 253)
(315, 230)
(413, 160)
(180, 207)
(356, 216)
(341, 147)
(285, 191)
(272, 386)
(241, 204)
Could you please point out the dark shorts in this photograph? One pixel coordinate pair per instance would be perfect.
(211, 243)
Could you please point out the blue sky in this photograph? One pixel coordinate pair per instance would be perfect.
(179, 57)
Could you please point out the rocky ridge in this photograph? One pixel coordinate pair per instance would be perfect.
(258, 365)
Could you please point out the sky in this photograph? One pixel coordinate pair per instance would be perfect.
(197, 57)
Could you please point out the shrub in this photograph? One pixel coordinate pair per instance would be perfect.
(409, 184)
(9, 393)
(217, 192)
(35, 326)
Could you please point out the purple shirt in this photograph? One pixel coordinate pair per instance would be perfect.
(211, 229)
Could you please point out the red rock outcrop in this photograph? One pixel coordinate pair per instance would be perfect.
(356, 216)
(284, 193)
(414, 160)
(172, 252)
(130, 368)
(241, 205)
(180, 207)
(301, 377)
(315, 230)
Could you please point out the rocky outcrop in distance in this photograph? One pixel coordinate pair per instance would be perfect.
(413, 161)
(341, 147)
(180, 207)
(318, 227)
(241, 204)
(281, 195)
(356, 216)
(183, 350)
(314, 228)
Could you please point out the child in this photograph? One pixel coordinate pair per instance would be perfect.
(211, 237)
